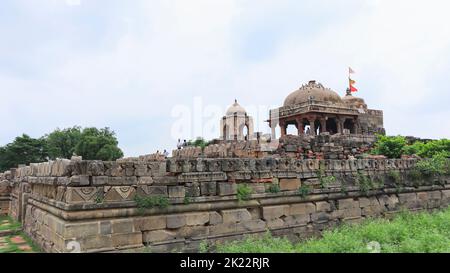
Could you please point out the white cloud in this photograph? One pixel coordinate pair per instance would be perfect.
(139, 62)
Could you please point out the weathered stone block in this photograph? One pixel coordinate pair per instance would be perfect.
(223, 228)
(323, 206)
(215, 218)
(208, 188)
(79, 180)
(348, 203)
(158, 236)
(302, 208)
(122, 226)
(347, 213)
(257, 187)
(193, 231)
(289, 184)
(295, 220)
(145, 180)
(252, 225)
(119, 194)
(320, 217)
(176, 221)
(100, 180)
(275, 223)
(127, 239)
(93, 242)
(200, 218)
(157, 190)
(105, 227)
(274, 212)
(227, 188)
(82, 229)
(177, 191)
(235, 215)
(150, 223)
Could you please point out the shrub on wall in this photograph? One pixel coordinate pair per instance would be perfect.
(243, 192)
(429, 149)
(390, 146)
(437, 165)
(148, 202)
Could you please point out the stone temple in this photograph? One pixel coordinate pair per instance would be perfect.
(315, 109)
(98, 206)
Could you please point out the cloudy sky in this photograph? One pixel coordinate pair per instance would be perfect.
(154, 70)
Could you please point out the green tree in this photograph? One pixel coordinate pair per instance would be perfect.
(199, 142)
(23, 150)
(61, 143)
(98, 144)
(429, 149)
(390, 146)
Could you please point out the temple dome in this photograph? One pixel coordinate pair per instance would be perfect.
(354, 101)
(236, 108)
(312, 90)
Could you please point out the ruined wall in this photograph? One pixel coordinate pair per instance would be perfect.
(325, 146)
(93, 202)
(5, 193)
(240, 149)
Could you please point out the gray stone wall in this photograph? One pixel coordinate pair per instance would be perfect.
(93, 202)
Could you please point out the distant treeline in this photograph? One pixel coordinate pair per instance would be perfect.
(90, 143)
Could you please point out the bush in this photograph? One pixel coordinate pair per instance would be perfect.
(437, 165)
(429, 149)
(148, 202)
(304, 190)
(406, 233)
(243, 192)
(365, 183)
(199, 142)
(274, 188)
(390, 146)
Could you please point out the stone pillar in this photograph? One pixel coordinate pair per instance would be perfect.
(283, 128)
(323, 125)
(312, 127)
(357, 127)
(235, 127)
(340, 125)
(273, 125)
(300, 127)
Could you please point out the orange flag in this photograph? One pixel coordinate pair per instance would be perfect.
(351, 83)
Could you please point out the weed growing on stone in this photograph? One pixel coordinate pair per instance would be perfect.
(274, 188)
(243, 192)
(148, 202)
(304, 190)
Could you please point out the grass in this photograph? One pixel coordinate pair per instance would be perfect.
(406, 233)
(15, 228)
(12, 225)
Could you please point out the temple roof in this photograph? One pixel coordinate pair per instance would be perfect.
(236, 108)
(312, 90)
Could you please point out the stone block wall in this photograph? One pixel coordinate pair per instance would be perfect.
(326, 146)
(63, 203)
(5, 194)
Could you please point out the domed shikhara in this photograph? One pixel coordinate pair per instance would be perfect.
(314, 91)
(236, 108)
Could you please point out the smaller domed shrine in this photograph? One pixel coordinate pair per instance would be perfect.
(235, 122)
